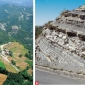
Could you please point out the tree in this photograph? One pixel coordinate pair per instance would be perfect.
(38, 30)
(14, 79)
(13, 62)
(11, 53)
(28, 55)
(27, 67)
(3, 70)
(20, 55)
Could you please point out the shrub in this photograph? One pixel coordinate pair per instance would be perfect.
(10, 53)
(13, 62)
(20, 55)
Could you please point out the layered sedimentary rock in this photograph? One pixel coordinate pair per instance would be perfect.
(62, 42)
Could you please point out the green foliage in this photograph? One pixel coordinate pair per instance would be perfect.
(4, 38)
(27, 67)
(38, 31)
(30, 63)
(26, 76)
(20, 55)
(10, 53)
(2, 65)
(0, 50)
(3, 68)
(22, 78)
(13, 62)
(24, 36)
(28, 83)
(12, 17)
(14, 79)
(28, 55)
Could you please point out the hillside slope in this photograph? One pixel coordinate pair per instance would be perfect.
(16, 22)
(61, 45)
(16, 44)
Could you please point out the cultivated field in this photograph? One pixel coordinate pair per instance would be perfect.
(2, 78)
(21, 62)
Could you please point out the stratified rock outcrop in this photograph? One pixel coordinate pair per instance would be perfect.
(62, 42)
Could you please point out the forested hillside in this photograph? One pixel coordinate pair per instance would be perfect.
(21, 17)
(16, 34)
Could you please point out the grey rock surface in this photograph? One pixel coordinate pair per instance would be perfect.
(62, 43)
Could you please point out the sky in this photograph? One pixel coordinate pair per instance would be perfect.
(18, 2)
(47, 10)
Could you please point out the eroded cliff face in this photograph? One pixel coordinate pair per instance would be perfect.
(62, 42)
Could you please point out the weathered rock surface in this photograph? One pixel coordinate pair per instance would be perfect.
(62, 42)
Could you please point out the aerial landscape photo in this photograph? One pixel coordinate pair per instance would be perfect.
(16, 42)
(60, 42)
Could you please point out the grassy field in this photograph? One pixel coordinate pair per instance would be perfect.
(22, 62)
(2, 65)
(7, 65)
(16, 48)
(10, 68)
(2, 78)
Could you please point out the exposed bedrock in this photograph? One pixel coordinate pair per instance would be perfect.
(61, 44)
(54, 56)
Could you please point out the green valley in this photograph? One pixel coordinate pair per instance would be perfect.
(16, 45)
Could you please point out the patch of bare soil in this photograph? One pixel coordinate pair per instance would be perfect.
(2, 78)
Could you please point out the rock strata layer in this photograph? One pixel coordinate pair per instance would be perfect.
(62, 42)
